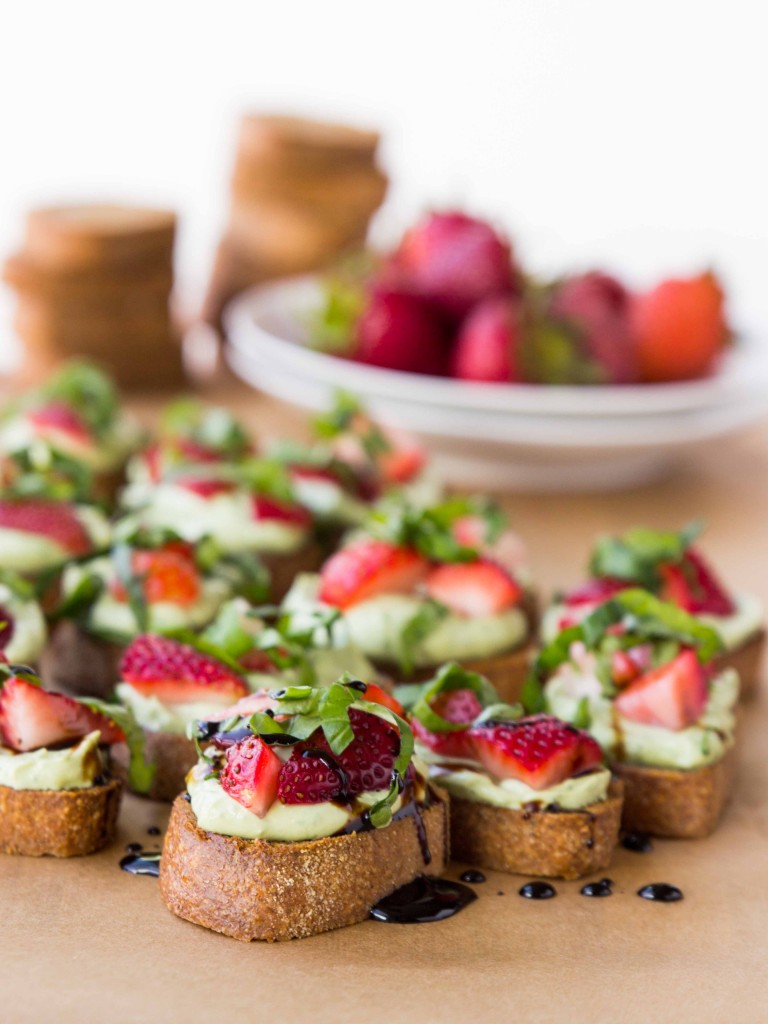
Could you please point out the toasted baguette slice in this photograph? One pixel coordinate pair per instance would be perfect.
(283, 569)
(58, 823)
(172, 755)
(746, 659)
(673, 803)
(252, 889)
(555, 844)
(76, 662)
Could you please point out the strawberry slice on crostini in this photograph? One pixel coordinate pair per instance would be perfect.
(693, 586)
(31, 717)
(169, 576)
(251, 775)
(205, 487)
(673, 696)
(460, 707)
(475, 588)
(177, 673)
(280, 511)
(369, 568)
(52, 519)
(540, 751)
(59, 422)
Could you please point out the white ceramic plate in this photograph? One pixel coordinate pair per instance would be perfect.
(507, 434)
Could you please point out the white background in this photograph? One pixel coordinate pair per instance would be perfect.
(631, 134)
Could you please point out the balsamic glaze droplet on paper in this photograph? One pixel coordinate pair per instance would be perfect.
(423, 900)
(154, 830)
(601, 888)
(538, 891)
(142, 863)
(133, 848)
(637, 842)
(660, 892)
(473, 876)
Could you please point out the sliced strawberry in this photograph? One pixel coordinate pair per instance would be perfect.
(308, 777)
(365, 766)
(52, 519)
(169, 576)
(31, 717)
(178, 673)
(6, 627)
(457, 706)
(471, 531)
(402, 464)
(474, 588)
(595, 592)
(280, 511)
(540, 751)
(205, 487)
(627, 665)
(693, 586)
(377, 695)
(673, 696)
(250, 775)
(368, 568)
(57, 418)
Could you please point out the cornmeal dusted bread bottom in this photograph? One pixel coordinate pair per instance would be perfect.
(58, 823)
(554, 844)
(254, 889)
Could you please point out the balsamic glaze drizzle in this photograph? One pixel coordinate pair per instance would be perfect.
(660, 892)
(423, 900)
(538, 891)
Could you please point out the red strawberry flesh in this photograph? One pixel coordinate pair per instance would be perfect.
(251, 774)
(51, 519)
(672, 696)
(31, 717)
(474, 589)
(178, 673)
(459, 706)
(539, 751)
(369, 568)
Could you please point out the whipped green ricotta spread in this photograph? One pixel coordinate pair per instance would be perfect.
(376, 626)
(697, 745)
(115, 618)
(72, 768)
(228, 518)
(29, 630)
(216, 811)
(21, 551)
(570, 794)
(328, 500)
(160, 716)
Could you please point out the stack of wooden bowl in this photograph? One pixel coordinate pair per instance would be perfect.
(302, 193)
(96, 281)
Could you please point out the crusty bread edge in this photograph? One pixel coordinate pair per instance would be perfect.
(272, 891)
(173, 756)
(552, 844)
(58, 823)
(673, 803)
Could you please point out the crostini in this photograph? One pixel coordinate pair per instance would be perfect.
(149, 580)
(300, 818)
(57, 796)
(418, 587)
(671, 566)
(529, 794)
(640, 675)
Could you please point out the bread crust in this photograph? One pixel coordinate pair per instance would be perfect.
(746, 659)
(172, 755)
(673, 803)
(258, 890)
(58, 823)
(76, 662)
(552, 844)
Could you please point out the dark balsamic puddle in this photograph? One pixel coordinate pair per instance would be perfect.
(154, 830)
(423, 900)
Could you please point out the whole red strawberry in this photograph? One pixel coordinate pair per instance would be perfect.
(680, 328)
(488, 343)
(399, 331)
(596, 306)
(455, 261)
